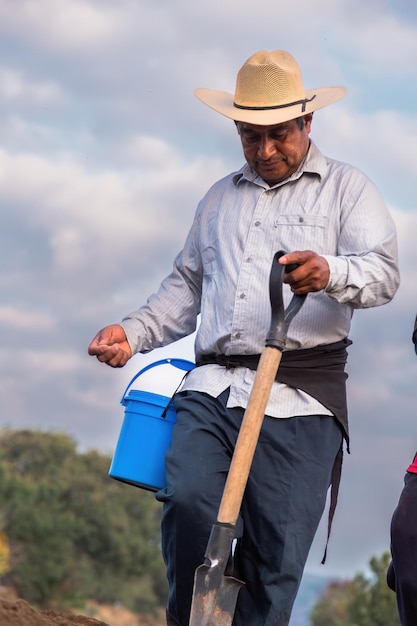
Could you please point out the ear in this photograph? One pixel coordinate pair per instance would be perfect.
(307, 121)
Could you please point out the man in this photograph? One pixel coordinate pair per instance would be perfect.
(402, 572)
(333, 224)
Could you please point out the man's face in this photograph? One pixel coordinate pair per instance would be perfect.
(276, 151)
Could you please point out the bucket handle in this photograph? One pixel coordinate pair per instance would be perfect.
(181, 364)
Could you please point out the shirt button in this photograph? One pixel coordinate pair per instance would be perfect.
(237, 336)
(242, 296)
(301, 219)
(258, 223)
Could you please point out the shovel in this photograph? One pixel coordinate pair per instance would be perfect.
(215, 588)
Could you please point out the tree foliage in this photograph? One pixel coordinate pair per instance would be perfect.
(363, 601)
(4, 553)
(73, 532)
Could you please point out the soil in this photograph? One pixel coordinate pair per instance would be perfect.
(20, 613)
(17, 612)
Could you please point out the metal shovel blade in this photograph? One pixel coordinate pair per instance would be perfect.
(215, 592)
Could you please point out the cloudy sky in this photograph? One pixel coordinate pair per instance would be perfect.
(104, 153)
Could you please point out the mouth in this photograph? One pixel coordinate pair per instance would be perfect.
(271, 171)
(270, 164)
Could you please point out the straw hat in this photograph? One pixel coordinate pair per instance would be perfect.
(269, 90)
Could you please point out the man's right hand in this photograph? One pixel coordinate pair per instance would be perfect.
(110, 346)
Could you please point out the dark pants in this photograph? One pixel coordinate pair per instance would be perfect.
(402, 573)
(282, 506)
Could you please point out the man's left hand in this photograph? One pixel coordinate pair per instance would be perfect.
(312, 273)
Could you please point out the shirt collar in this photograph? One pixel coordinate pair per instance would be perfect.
(314, 163)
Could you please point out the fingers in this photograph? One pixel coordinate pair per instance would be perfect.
(94, 348)
(298, 257)
(110, 346)
(107, 337)
(312, 273)
(115, 355)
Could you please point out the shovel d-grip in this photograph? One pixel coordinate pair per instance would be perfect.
(215, 588)
(280, 317)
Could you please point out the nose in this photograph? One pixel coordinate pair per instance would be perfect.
(266, 147)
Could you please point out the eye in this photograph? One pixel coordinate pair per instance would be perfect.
(279, 135)
(250, 137)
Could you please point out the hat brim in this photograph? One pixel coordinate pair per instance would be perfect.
(222, 102)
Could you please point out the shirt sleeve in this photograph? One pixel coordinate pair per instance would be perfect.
(365, 272)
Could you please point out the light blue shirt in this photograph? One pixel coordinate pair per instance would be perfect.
(222, 273)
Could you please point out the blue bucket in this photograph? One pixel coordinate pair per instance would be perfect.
(146, 433)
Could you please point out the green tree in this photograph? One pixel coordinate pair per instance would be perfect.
(331, 608)
(4, 553)
(75, 533)
(364, 601)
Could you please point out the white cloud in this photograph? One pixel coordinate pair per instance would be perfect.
(83, 210)
(21, 319)
(15, 86)
(382, 41)
(65, 24)
(42, 364)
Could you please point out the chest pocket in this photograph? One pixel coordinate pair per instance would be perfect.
(301, 232)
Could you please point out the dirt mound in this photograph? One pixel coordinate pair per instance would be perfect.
(15, 611)
(20, 613)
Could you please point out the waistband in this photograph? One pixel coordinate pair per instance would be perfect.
(318, 371)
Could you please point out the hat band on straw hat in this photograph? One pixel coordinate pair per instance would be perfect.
(276, 106)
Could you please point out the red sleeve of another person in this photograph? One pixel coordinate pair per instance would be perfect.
(413, 467)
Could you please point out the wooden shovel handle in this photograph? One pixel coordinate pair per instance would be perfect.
(248, 436)
(265, 375)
